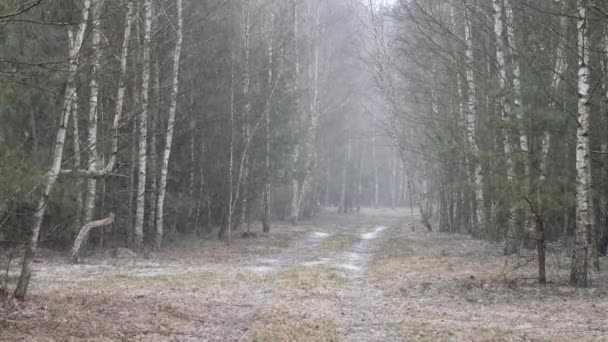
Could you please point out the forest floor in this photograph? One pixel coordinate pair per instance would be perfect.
(373, 276)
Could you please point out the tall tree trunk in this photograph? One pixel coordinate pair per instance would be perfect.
(375, 169)
(561, 65)
(517, 96)
(227, 228)
(154, 119)
(75, 41)
(578, 274)
(92, 158)
(77, 160)
(506, 114)
(310, 155)
(295, 155)
(170, 127)
(143, 128)
(471, 121)
(394, 180)
(244, 174)
(267, 171)
(345, 167)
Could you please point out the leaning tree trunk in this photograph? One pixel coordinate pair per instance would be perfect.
(578, 274)
(170, 127)
(143, 129)
(84, 232)
(75, 43)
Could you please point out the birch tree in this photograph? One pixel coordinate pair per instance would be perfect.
(76, 39)
(578, 273)
(143, 127)
(471, 121)
(170, 126)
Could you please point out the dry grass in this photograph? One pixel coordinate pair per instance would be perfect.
(451, 287)
(302, 307)
(417, 286)
(278, 326)
(339, 242)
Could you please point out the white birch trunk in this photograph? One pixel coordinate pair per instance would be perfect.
(517, 96)
(311, 134)
(170, 127)
(143, 128)
(92, 158)
(343, 194)
(231, 157)
(153, 119)
(76, 41)
(578, 274)
(477, 177)
(244, 174)
(118, 110)
(506, 114)
(267, 171)
(295, 155)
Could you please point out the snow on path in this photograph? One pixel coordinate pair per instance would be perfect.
(292, 256)
(362, 306)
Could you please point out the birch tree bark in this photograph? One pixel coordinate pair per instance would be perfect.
(578, 273)
(471, 121)
(267, 171)
(294, 213)
(244, 174)
(92, 157)
(517, 96)
(506, 114)
(311, 130)
(344, 205)
(227, 228)
(75, 43)
(170, 127)
(143, 129)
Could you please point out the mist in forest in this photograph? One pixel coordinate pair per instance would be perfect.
(316, 168)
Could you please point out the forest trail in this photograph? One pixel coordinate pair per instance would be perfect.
(371, 276)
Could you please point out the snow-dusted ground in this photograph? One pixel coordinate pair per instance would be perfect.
(358, 277)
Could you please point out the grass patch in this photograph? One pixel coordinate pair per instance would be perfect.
(395, 248)
(338, 242)
(307, 277)
(278, 326)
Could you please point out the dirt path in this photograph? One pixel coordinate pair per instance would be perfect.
(362, 306)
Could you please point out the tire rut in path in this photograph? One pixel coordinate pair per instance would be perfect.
(232, 321)
(363, 309)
